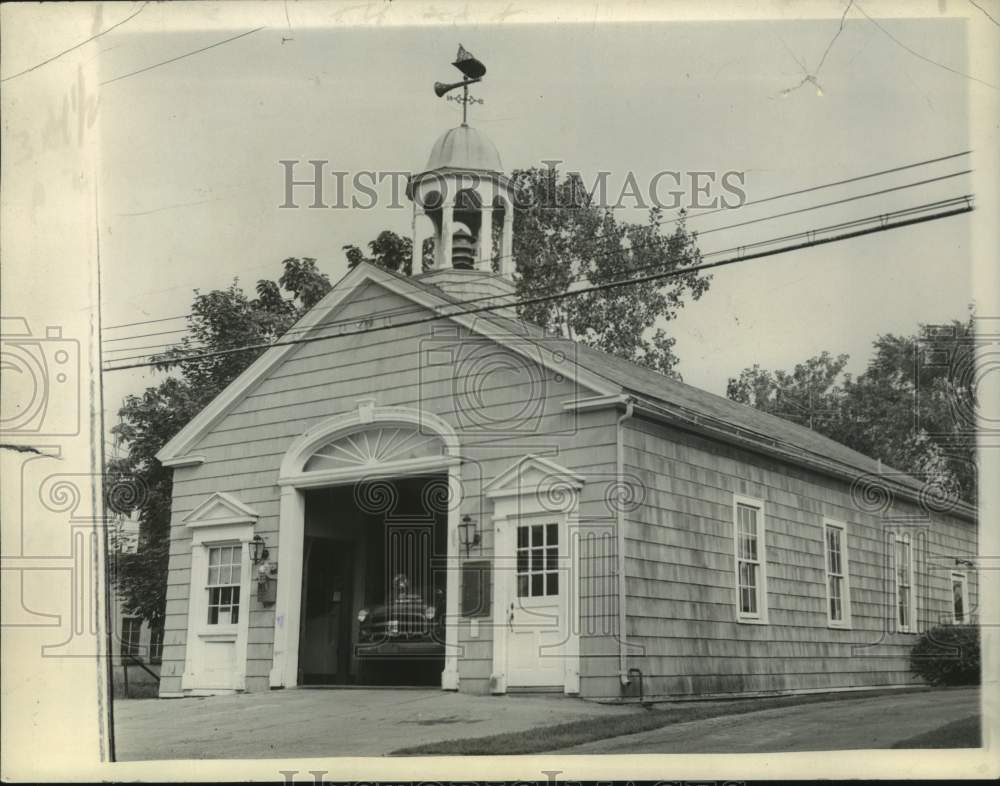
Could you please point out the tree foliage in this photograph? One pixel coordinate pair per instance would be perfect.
(392, 252)
(912, 407)
(564, 240)
(140, 486)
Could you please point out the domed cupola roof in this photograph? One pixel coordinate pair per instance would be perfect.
(464, 148)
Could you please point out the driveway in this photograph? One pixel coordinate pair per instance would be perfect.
(852, 724)
(328, 722)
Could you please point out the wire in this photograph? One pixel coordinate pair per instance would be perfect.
(741, 249)
(410, 309)
(689, 217)
(917, 54)
(883, 227)
(77, 46)
(146, 322)
(181, 57)
(835, 202)
(707, 232)
(145, 335)
(830, 185)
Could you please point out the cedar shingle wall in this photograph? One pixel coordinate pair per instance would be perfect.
(681, 577)
(325, 378)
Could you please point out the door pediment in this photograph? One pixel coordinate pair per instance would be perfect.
(221, 508)
(532, 476)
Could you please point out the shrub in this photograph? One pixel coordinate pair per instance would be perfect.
(947, 655)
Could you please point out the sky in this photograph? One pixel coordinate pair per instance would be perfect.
(190, 179)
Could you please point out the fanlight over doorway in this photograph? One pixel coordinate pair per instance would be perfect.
(382, 444)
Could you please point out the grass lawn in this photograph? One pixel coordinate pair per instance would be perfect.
(564, 735)
(965, 733)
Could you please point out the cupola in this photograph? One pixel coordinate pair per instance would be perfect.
(463, 200)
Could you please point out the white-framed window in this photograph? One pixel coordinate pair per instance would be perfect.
(537, 560)
(750, 559)
(905, 591)
(959, 599)
(156, 645)
(224, 569)
(838, 589)
(131, 631)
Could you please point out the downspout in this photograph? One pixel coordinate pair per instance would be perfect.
(623, 675)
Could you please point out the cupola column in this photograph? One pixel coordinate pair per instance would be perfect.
(484, 257)
(442, 248)
(507, 244)
(416, 255)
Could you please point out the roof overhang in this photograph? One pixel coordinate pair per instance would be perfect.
(723, 431)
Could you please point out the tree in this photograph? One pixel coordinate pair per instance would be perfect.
(392, 252)
(809, 395)
(910, 408)
(564, 240)
(138, 484)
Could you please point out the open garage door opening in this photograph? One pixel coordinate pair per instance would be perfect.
(374, 582)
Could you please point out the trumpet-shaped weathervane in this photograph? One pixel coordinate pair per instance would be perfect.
(472, 71)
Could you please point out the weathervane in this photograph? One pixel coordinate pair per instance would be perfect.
(472, 71)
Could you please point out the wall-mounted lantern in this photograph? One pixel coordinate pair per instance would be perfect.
(258, 551)
(267, 572)
(468, 533)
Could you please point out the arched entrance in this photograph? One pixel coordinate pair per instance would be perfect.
(370, 495)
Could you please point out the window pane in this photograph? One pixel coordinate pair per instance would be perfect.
(552, 584)
(959, 601)
(552, 534)
(213, 556)
(836, 608)
(236, 606)
(213, 615)
(522, 537)
(536, 584)
(522, 561)
(536, 559)
(552, 559)
(748, 601)
(522, 586)
(213, 576)
(536, 535)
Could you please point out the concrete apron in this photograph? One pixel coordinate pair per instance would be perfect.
(329, 721)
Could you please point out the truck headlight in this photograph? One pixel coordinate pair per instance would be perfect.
(362, 615)
(430, 612)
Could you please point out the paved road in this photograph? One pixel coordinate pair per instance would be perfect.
(366, 722)
(850, 724)
(317, 722)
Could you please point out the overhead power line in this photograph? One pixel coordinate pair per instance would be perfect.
(411, 309)
(843, 201)
(146, 322)
(845, 182)
(771, 198)
(885, 225)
